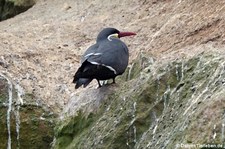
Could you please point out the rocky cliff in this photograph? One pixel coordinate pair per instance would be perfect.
(10, 8)
(171, 96)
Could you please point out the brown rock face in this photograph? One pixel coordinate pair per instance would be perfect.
(10, 8)
(41, 48)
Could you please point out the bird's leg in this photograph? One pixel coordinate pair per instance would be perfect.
(114, 80)
(99, 84)
(104, 82)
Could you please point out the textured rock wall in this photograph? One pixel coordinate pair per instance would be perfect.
(164, 98)
(163, 107)
(25, 123)
(10, 8)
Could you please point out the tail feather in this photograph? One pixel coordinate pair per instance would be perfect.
(84, 74)
(77, 75)
(82, 81)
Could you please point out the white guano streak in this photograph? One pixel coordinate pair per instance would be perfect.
(9, 109)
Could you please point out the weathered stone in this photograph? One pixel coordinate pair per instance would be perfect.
(10, 8)
(169, 85)
(31, 125)
(161, 112)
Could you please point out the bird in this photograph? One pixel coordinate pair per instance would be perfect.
(104, 60)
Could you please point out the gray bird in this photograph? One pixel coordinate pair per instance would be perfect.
(104, 60)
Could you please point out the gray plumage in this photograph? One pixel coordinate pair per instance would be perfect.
(104, 60)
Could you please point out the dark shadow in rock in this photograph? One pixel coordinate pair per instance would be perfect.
(9, 9)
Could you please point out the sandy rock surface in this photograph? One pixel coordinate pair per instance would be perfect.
(40, 49)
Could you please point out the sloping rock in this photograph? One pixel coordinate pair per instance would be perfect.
(163, 99)
(180, 103)
(24, 122)
(10, 8)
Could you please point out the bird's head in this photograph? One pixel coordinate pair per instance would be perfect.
(107, 33)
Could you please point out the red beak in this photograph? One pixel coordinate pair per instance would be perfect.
(123, 34)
